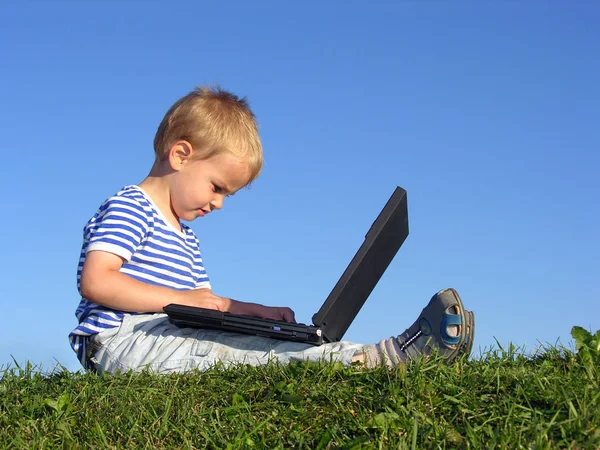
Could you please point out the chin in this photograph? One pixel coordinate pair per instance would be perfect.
(187, 217)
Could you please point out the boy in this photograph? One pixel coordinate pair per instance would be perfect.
(137, 257)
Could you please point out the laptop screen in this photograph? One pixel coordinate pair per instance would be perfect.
(384, 238)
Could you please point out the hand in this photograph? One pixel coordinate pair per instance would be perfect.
(277, 313)
(203, 298)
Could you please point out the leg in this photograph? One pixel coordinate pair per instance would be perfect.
(151, 341)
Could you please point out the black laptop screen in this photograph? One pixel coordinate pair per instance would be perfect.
(382, 241)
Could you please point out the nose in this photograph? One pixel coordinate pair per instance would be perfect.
(216, 203)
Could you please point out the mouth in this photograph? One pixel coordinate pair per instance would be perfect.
(202, 212)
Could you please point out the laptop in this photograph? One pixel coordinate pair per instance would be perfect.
(383, 240)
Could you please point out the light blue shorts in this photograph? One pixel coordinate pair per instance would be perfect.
(150, 341)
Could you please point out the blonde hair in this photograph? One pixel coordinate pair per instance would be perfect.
(214, 121)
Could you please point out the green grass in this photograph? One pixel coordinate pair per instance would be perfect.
(503, 400)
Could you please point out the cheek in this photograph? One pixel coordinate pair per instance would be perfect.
(190, 195)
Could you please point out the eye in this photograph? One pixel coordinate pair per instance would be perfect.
(217, 189)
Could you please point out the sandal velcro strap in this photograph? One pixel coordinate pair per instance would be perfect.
(449, 320)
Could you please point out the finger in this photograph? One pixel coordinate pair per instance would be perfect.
(289, 316)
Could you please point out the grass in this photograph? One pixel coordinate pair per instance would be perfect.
(503, 400)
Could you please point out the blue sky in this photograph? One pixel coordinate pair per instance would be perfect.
(487, 114)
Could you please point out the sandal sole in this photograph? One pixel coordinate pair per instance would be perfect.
(468, 344)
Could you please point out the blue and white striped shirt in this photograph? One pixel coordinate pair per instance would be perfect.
(129, 225)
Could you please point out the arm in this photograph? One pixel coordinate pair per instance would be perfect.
(102, 283)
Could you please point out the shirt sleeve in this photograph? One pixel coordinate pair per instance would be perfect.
(200, 275)
(202, 280)
(118, 227)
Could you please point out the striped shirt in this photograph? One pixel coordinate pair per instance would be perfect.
(129, 225)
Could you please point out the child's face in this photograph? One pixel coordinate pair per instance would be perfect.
(200, 186)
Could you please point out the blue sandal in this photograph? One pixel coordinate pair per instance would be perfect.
(444, 313)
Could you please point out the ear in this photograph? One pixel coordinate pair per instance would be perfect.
(179, 154)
